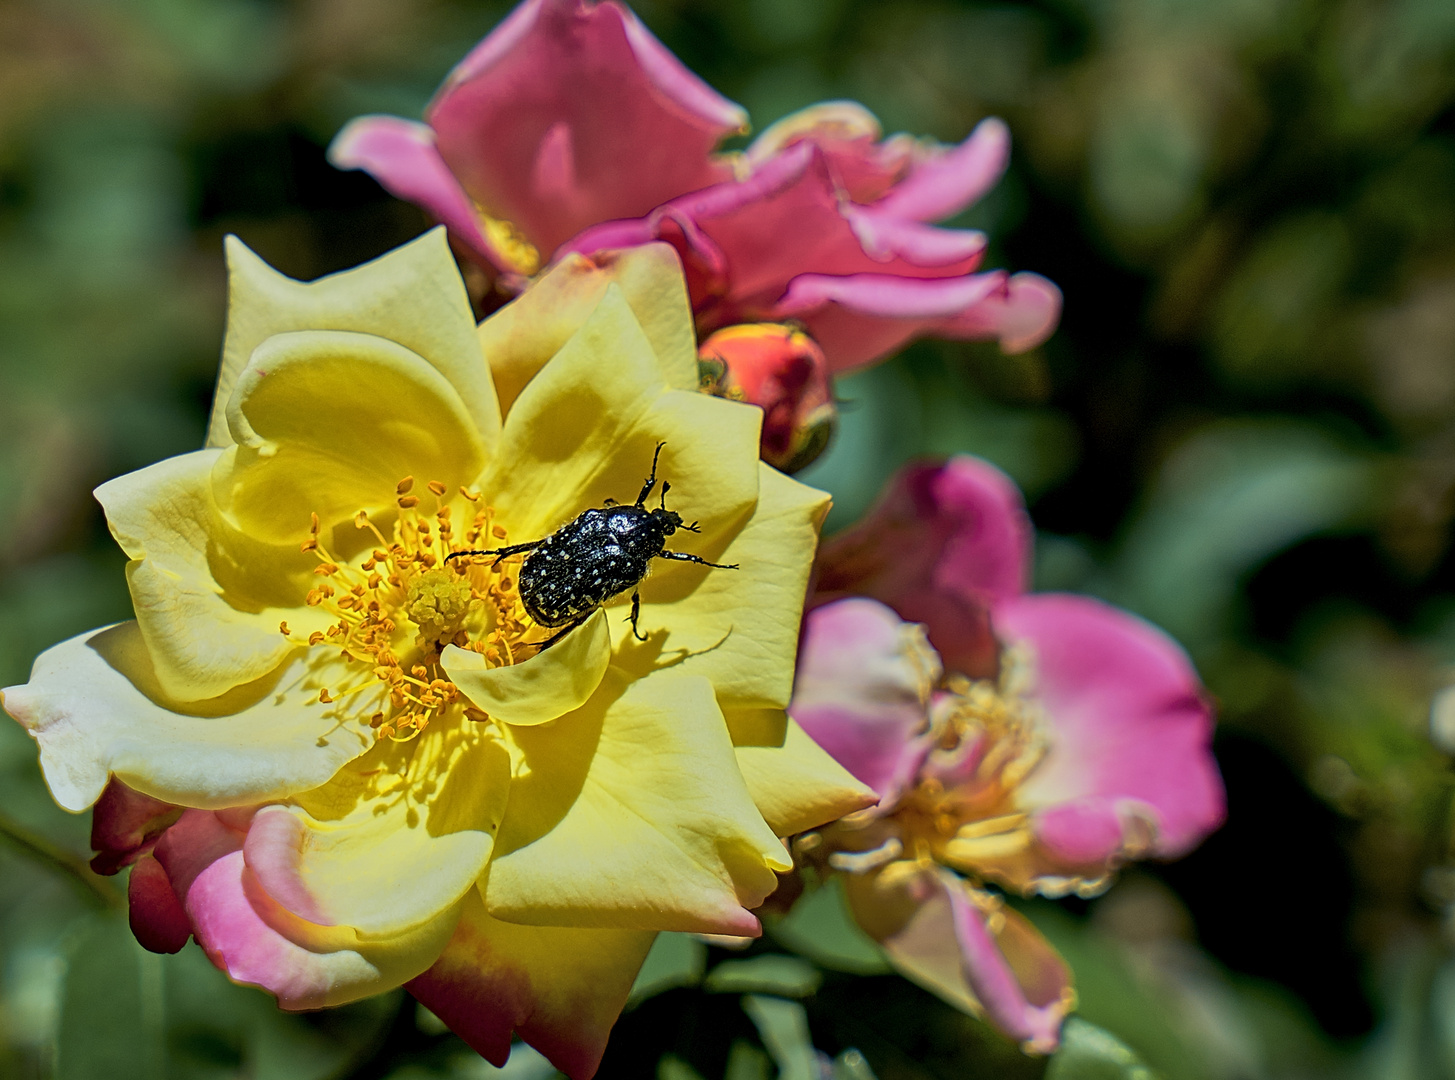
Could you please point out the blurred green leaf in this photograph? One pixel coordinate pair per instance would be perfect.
(1090, 1053)
(1230, 496)
(674, 960)
(112, 1007)
(771, 973)
(821, 928)
(784, 1028)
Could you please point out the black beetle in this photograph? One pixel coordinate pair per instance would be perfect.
(600, 554)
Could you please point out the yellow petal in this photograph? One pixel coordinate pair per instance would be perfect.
(519, 338)
(798, 786)
(739, 628)
(205, 602)
(549, 684)
(631, 813)
(328, 422)
(570, 422)
(413, 296)
(559, 988)
(96, 708)
(392, 841)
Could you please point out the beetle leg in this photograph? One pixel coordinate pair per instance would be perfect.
(651, 480)
(636, 610)
(542, 646)
(666, 487)
(682, 556)
(499, 553)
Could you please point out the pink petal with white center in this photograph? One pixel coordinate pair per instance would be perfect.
(402, 156)
(864, 680)
(569, 114)
(1129, 727)
(953, 179)
(944, 543)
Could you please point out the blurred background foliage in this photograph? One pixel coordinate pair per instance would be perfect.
(1244, 430)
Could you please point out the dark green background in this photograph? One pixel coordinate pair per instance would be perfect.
(1244, 430)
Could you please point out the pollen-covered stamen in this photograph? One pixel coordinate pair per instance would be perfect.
(398, 608)
(989, 736)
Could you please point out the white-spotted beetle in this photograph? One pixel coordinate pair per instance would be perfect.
(600, 554)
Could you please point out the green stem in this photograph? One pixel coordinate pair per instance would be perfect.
(92, 885)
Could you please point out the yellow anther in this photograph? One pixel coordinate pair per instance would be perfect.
(313, 525)
(326, 569)
(408, 502)
(283, 628)
(436, 487)
(498, 531)
(478, 715)
(361, 520)
(316, 637)
(402, 488)
(323, 696)
(473, 496)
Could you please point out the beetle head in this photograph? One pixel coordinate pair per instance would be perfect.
(670, 521)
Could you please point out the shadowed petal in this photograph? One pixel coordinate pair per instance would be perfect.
(797, 786)
(124, 826)
(560, 988)
(864, 683)
(521, 337)
(384, 855)
(632, 813)
(944, 542)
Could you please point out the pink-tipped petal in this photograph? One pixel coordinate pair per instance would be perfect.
(954, 179)
(1020, 315)
(944, 543)
(864, 680)
(255, 940)
(157, 919)
(570, 114)
(402, 156)
(125, 824)
(934, 933)
(560, 988)
(1130, 729)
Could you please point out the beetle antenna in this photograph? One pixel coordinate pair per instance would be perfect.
(651, 480)
(666, 487)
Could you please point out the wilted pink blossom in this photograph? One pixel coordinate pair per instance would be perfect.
(571, 128)
(1029, 741)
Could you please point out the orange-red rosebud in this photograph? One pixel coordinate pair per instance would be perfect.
(781, 370)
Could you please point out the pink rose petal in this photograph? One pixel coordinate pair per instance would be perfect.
(1131, 730)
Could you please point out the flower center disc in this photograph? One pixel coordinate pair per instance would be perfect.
(396, 610)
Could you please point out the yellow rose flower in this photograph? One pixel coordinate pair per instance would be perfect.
(383, 780)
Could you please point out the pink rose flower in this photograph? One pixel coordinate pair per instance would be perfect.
(571, 128)
(1030, 741)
